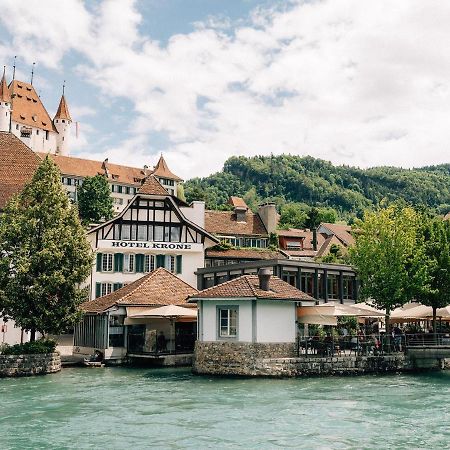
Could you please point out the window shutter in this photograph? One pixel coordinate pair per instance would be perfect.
(179, 263)
(117, 286)
(99, 262)
(118, 262)
(140, 263)
(98, 289)
(160, 260)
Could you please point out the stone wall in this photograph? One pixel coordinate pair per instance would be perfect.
(279, 360)
(27, 365)
(237, 358)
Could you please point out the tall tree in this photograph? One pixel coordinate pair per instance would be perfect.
(437, 251)
(94, 199)
(389, 257)
(45, 255)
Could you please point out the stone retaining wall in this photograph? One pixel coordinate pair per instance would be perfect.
(236, 358)
(279, 360)
(27, 365)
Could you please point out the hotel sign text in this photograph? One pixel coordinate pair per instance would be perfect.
(174, 246)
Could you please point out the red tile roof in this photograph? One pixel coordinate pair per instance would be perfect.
(247, 287)
(237, 202)
(79, 167)
(27, 107)
(224, 223)
(162, 170)
(63, 110)
(152, 186)
(158, 288)
(342, 232)
(17, 166)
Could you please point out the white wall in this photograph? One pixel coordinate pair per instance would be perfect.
(195, 213)
(11, 335)
(275, 321)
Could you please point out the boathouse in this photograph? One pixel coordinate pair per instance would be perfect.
(247, 318)
(131, 320)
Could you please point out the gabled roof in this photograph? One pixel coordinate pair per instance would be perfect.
(5, 95)
(17, 166)
(247, 287)
(224, 222)
(152, 186)
(342, 232)
(158, 288)
(162, 170)
(63, 110)
(294, 232)
(237, 202)
(79, 167)
(27, 107)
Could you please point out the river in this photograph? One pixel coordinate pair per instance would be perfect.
(125, 408)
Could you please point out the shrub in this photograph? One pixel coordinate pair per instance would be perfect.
(28, 348)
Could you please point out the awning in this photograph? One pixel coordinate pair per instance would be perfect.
(420, 312)
(168, 312)
(327, 313)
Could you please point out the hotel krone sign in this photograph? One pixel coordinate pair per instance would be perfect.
(155, 246)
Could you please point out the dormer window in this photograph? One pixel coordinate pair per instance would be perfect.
(34, 117)
(25, 132)
(19, 86)
(28, 88)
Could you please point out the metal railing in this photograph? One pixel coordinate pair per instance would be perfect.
(367, 345)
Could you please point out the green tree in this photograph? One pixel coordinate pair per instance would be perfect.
(335, 255)
(292, 215)
(389, 257)
(94, 200)
(437, 251)
(45, 255)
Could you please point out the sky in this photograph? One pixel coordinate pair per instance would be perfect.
(356, 82)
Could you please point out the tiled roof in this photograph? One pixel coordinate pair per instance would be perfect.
(237, 202)
(293, 232)
(224, 222)
(5, 95)
(244, 254)
(309, 253)
(325, 247)
(162, 170)
(17, 166)
(247, 287)
(63, 110)
(158, 288)
(152, 186)
(27, 107)
(78, 167)
(342, 232)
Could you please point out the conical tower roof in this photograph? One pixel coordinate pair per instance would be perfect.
(5, 95)
(63, 110)
(151, 186)
(163, 171)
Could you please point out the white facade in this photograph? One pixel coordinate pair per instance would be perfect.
(150, 232)
(5, 114)
(258, 321)
(62, 138)
(38, 140)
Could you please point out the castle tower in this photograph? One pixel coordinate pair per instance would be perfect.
(62, 122)
(5, 104)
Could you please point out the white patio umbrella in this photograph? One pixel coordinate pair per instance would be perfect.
(168, 311)
(420, 312)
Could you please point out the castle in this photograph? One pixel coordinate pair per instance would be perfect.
(23, 114)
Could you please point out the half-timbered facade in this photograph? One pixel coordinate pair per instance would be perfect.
(152, 231)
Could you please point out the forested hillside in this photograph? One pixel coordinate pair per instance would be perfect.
(306, 181)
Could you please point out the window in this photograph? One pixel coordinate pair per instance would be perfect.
(47, 134)
(308, 283)
(333, 289)
(294, 244)
(170, 265)
(128, 263)
(107, 262)
(126, 232)
(149, 263)
(228, 322)
(117, 201)
(175, 234)
(17, 126)
(37, 132)
(159, 233)
(347, 287)
(106, 288)
(142, 233)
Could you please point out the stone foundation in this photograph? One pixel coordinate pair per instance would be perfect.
(237, 358)
(279, 360)
(28, 365)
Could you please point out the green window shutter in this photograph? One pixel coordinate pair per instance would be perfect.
(99, 262)
(160, 260)
(98, 287)
(117, 286)
(179, 263)
(140, 263)
(118, 262)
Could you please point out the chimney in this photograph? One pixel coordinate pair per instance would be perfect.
(268, 214)
(146, 171)
(264, 275)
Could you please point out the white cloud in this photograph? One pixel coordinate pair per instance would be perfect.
(353, 81)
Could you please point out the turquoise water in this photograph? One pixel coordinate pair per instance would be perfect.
(121, 408)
